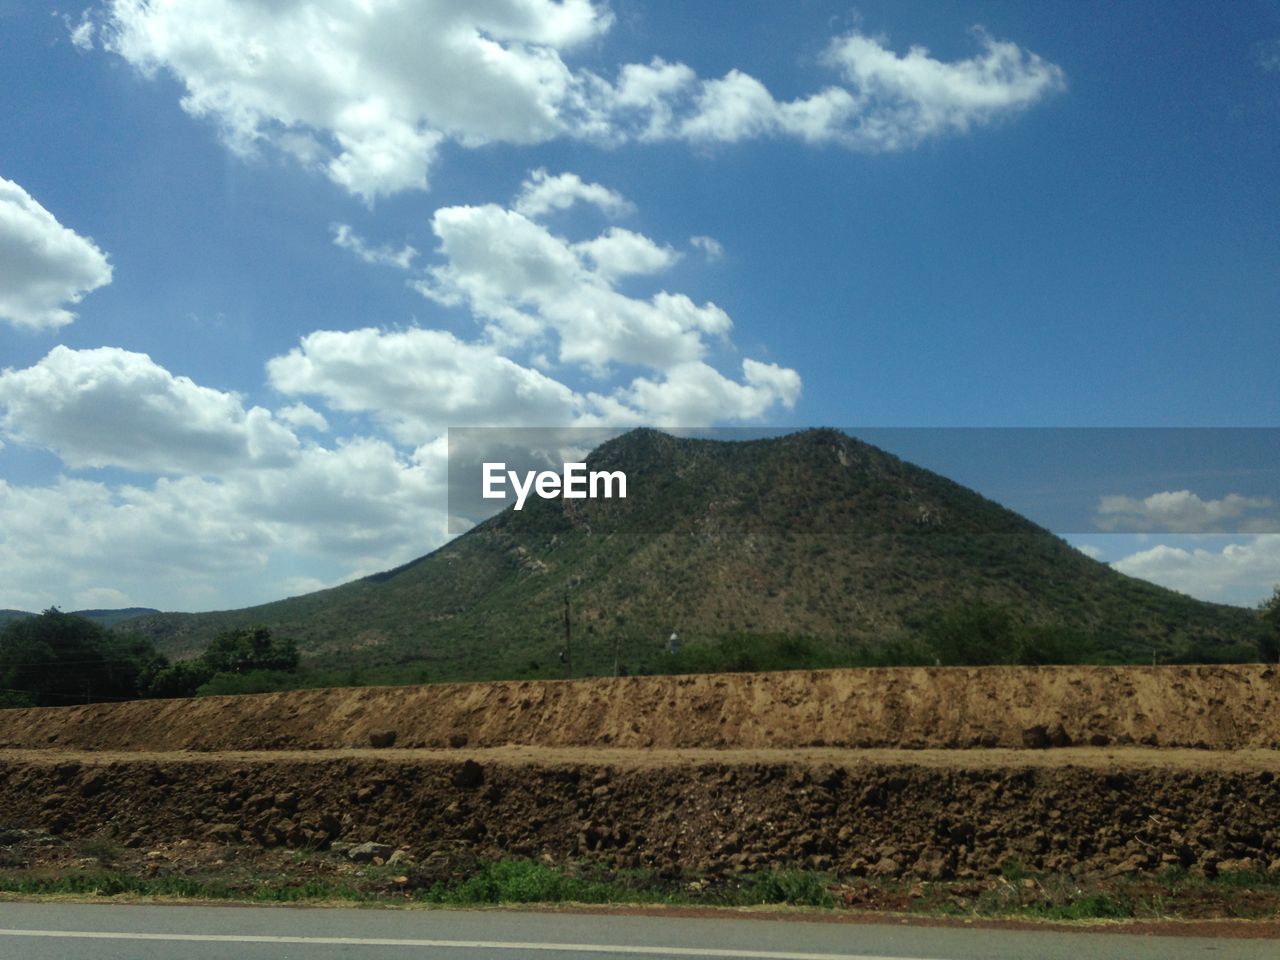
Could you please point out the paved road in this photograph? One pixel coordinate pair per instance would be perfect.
(58, 931)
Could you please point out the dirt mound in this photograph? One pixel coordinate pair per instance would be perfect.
(858, 819)
(1217, 708)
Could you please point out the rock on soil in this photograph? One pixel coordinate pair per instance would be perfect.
(877, 819)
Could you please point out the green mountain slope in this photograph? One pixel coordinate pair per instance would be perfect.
(815, 534)
(107, 618)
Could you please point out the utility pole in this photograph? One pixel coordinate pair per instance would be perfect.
(568, 638)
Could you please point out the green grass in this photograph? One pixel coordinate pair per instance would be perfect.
(796, 887)
(505, 881)
(111, 883)
(1019, 893)
(526, 881)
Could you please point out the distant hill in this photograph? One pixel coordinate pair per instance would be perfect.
(108, 618)
(815, 534)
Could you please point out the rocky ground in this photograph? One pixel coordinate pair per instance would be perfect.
(1046, 804)
(943, 816)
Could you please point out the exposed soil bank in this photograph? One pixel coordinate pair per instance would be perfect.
(876, 819)
(1206, 707)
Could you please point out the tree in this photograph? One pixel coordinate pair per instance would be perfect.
(180, 679)
(234, 653)
(973, 634)
(248, 649)
(57, 659)
(1269, 638)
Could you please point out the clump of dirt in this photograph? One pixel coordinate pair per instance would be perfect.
(1208, 707)
(882, 821)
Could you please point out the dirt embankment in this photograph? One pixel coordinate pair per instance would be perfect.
(858, 819)
(1216, 708)
(853, 771)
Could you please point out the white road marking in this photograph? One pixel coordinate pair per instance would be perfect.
(613, 948)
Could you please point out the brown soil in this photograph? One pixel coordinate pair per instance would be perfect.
(854, 773)
(860, 816)
(1215, 708)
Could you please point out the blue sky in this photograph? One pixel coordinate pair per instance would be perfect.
(300, 241)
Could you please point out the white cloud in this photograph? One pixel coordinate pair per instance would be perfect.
(694, 394)
(735, 107)
(1182, 511)
(710, 247)
(43, 266)
(1237, 572)
(207, 543)
(524, 283)
(542, 193)
(420, 382)
(111, 407)
(888, 102)
(619, 253)
(902, 100)
(81, 31)
(372, 89)
(347, 239)
(300, 417)
(369, 92)
(534, 291)
(1090, 550)
(126, 539)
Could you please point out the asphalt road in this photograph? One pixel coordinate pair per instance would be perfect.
(65, 931)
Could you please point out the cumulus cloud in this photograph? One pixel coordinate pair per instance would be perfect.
(347, 239)
(419, 382)
(302, 417)
(110, 407)
(204, 542)
(373, 89)
(368, 93)
(526, 284)
(127, 539)
(239, 504)
(543, 193)
(43, 265)
(902, 100)
(1236, 572)
(693, 394)
(1181, 511)
(618, 253)
(534, 293)
(888, 102)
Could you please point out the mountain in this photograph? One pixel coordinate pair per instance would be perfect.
(814, 535)
(107, 618)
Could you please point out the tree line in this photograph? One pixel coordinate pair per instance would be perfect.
(58, 659)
